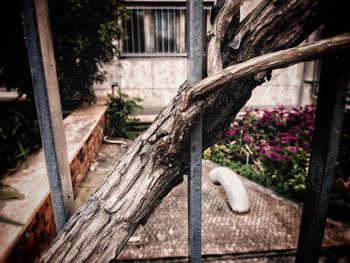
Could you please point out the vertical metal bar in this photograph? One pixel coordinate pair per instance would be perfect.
(138, 29)
(195, 51)
(173, 23)
(334, 82)
(329, 117)
(177, 32)
(156, 32)
(43, 70)
(162, 28)
(126, 41)
(132, 31)
(168, 28)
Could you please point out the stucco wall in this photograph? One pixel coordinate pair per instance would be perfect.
(155, 81)
(285, 88)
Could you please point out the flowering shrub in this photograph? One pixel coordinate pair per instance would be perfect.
(272, 147)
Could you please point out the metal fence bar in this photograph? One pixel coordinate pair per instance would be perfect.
(162, 26)
(334, 82)
(167, 22)
(132, 30)
(329, 117)
(47, 99)
(194, 64)
(156, 32)
(168, 29)
(138, 29)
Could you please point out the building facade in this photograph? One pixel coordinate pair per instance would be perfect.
(152, 61)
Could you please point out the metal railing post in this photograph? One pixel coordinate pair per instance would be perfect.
(334, 83)
(329, 117)
(195, 73)
(47, 100)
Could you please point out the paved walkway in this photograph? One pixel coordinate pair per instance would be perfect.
(269, 228)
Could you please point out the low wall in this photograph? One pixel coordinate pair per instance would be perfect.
(37, 236)
(84, 134)
(80, 165)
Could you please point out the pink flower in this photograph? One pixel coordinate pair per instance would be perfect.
(278, 148)
(274, 156)
(292, 149)
(286, 158)
(229, 133)
(263, 152)
(247, 139)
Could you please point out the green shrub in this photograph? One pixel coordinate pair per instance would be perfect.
(120, 115)
(19, 136)
(84, 34)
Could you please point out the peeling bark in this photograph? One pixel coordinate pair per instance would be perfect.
(158, 159)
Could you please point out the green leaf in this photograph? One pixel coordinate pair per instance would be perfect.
(6, 220)
(11, 195)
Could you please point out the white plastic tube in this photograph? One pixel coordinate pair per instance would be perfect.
(233, 186)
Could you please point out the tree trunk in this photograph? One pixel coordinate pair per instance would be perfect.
(159, 158)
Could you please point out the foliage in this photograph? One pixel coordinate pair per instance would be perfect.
(272, 147)
(8, 192)
(84, 36)
(120, 114)
(19, 136)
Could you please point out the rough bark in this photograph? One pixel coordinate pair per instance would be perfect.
(158, 159)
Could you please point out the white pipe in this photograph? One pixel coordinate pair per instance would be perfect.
(113, 141)
(233, 186)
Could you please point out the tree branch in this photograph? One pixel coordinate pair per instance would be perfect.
(222, 20)
(273, 25)
(278, 59)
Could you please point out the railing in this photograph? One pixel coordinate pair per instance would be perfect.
(334, 82)
(157, 30)
(48, 105)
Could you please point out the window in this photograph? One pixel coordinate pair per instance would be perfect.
(165, 22)
(156, 30)
(136, 31)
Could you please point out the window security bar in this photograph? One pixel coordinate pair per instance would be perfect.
(157, 31)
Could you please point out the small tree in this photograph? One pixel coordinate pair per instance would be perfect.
(84, 36)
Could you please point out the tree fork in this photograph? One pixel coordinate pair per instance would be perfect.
(158, 159)
(271, 26)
